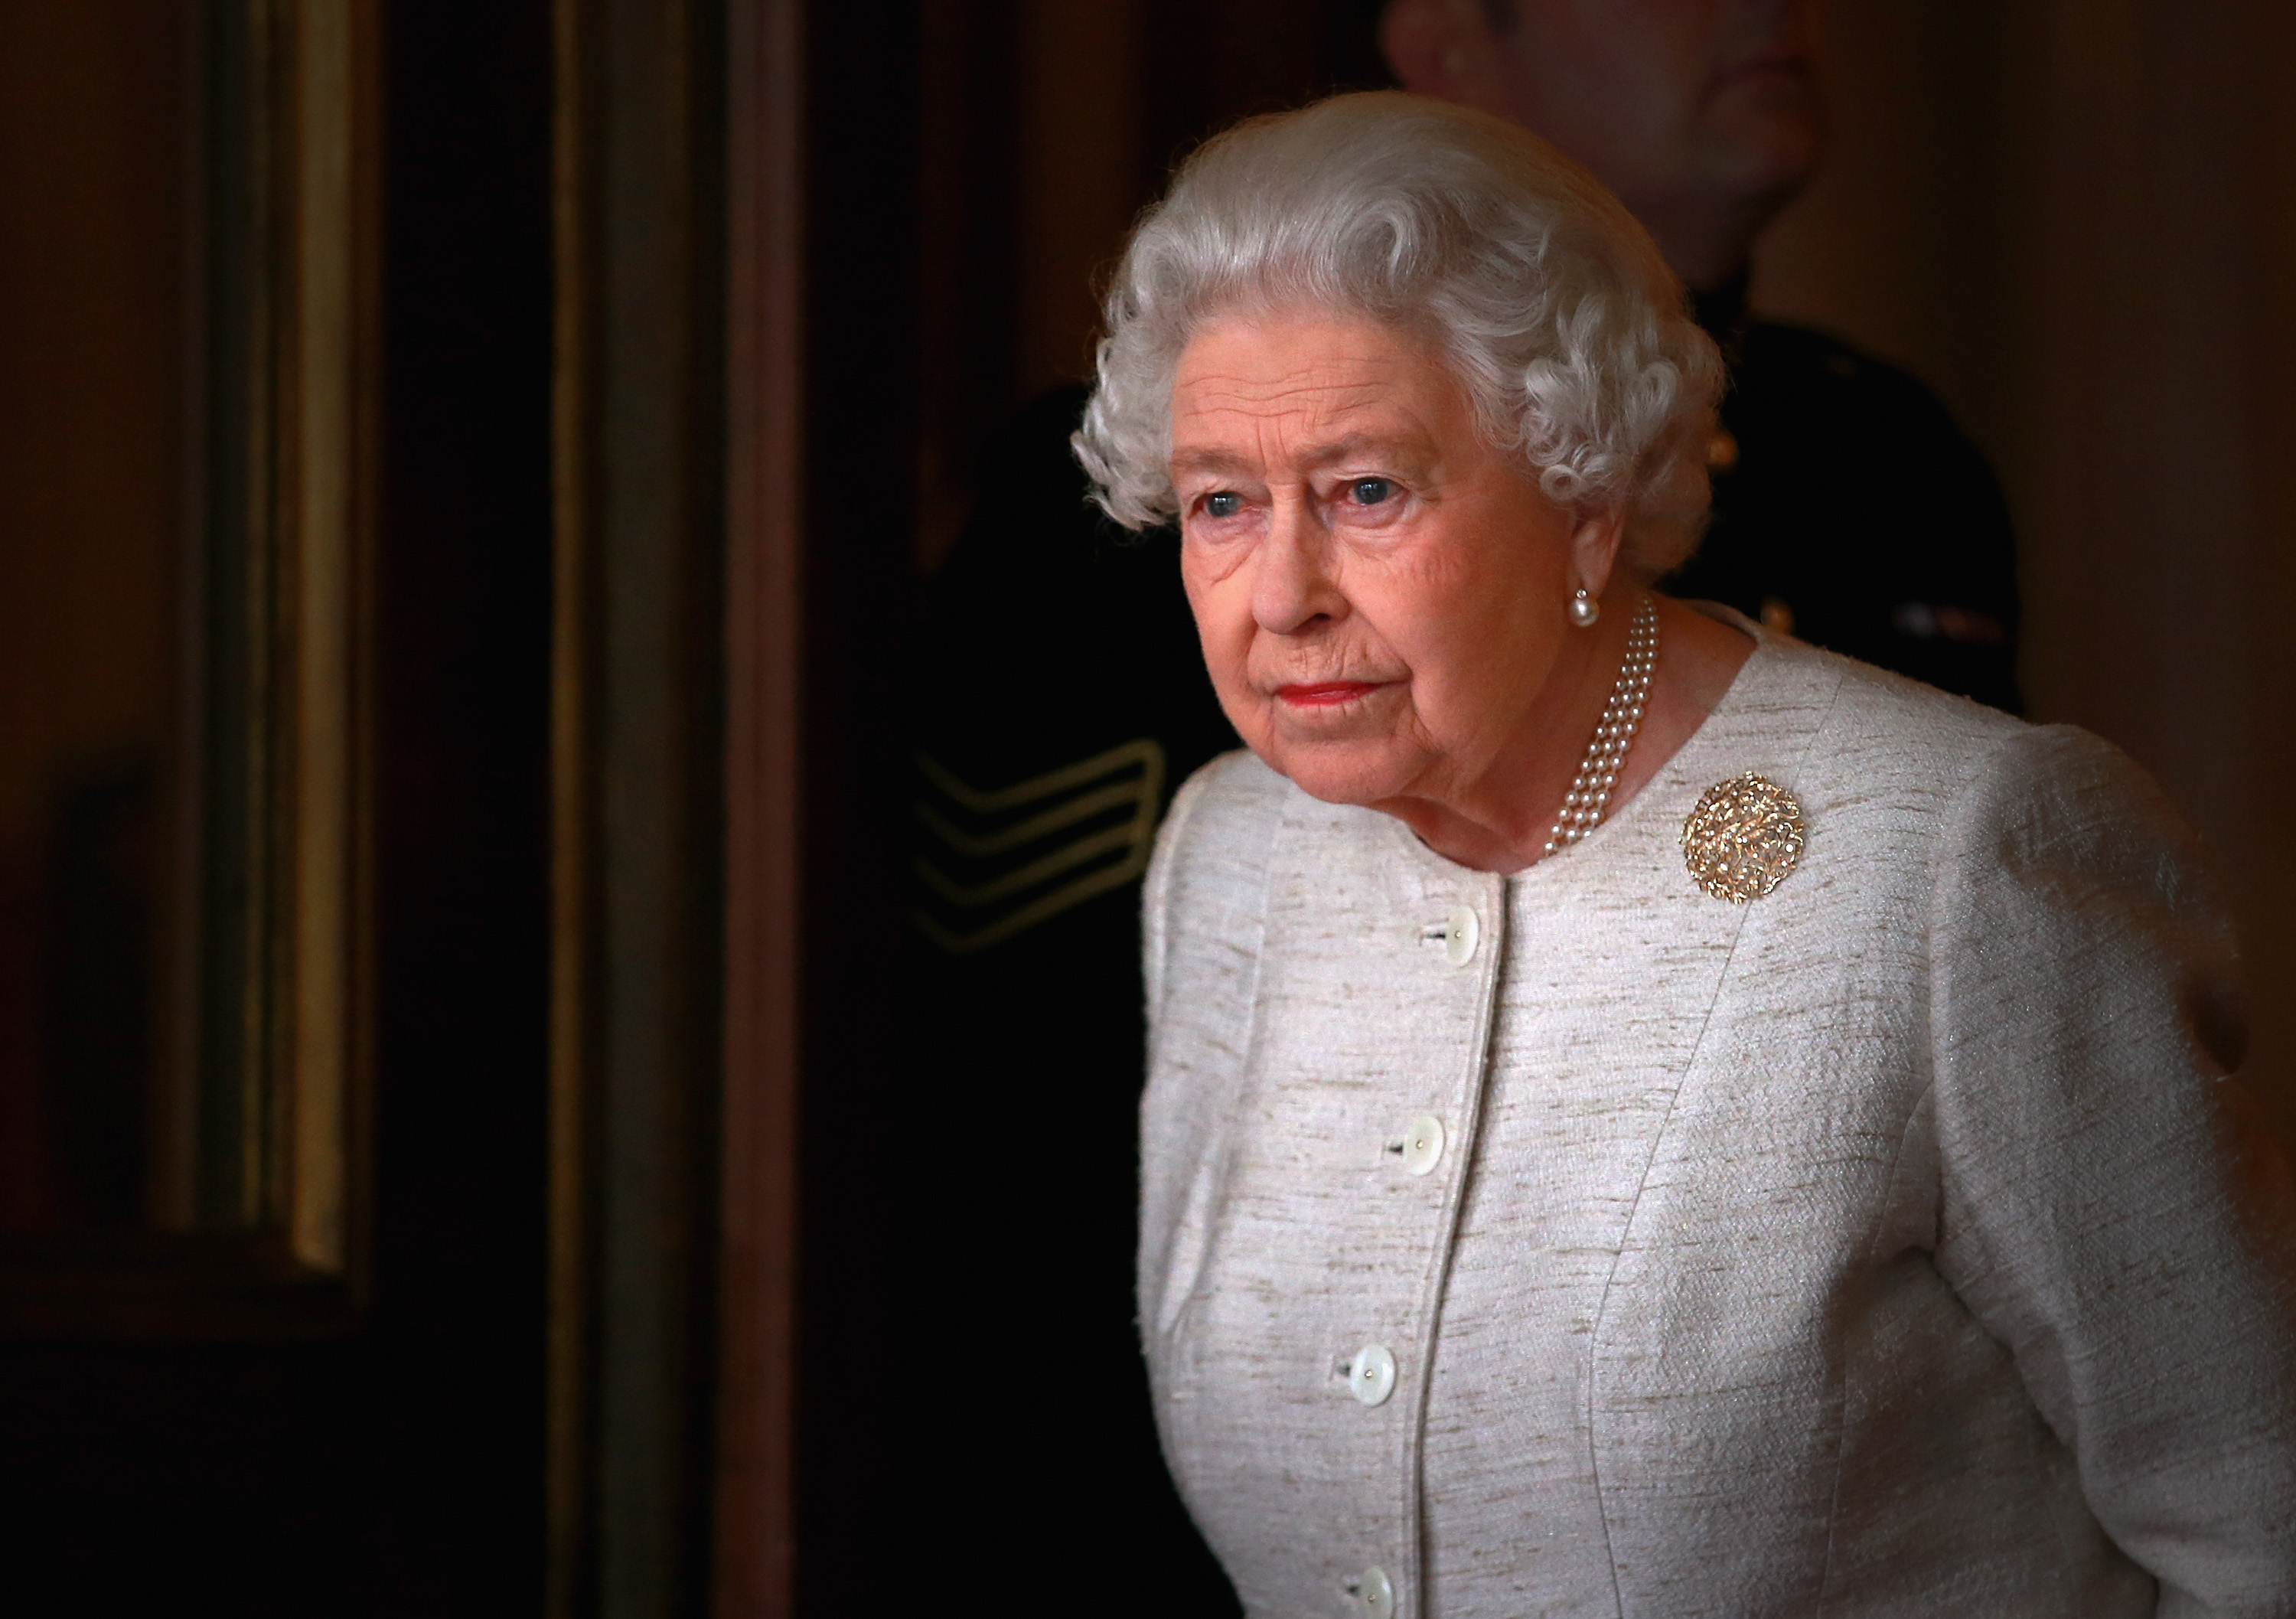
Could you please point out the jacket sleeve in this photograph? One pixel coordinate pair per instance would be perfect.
(1156, 892)
(2111, 1206)
(1200, 944)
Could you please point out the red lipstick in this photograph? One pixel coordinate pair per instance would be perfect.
(1326, 693)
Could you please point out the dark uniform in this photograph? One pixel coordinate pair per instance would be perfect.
(1850, 511)
(1061, 699)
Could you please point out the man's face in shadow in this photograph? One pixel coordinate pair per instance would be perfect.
(1703, 116)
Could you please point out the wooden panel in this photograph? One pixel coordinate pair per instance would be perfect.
(256, 1040)
(638, 695)
(392, 1468)
(756, 1505)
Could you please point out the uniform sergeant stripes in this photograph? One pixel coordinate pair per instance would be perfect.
(995, 864)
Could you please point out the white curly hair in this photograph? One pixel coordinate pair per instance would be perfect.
(1550, 303)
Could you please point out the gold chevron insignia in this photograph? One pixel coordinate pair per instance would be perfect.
(997, 863)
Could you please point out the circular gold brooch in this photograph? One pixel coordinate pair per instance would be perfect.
(1744, 838)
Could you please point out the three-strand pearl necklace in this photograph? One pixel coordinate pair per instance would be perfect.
(1589, 798)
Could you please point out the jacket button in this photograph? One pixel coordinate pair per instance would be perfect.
(1374, 1592)
(1422, 1145)
(1462, 929)
(1371, 1375)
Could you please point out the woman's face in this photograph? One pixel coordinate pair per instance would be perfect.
(1382, 595)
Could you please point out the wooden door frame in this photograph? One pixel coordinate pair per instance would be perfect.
(755, 1539)
(268, 995)
(823, 142)
(639, 820)
(735, 192)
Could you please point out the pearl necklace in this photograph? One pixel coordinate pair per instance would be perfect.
(1589, 798)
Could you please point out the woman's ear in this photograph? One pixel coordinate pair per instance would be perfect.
(1442, 48)
(1595, 548)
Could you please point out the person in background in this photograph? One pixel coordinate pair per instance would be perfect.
(1848, 510)
(1060, 700)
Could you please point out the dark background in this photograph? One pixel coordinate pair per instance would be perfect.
(398, 1470)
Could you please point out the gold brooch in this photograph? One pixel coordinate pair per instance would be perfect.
(1744, 838)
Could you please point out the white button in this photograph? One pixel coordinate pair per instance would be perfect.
(1461, 931)
(1371, 1375)
(1375, 1592)
(1422, 1145)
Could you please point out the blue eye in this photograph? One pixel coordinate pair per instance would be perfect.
(1370, 491)
(1224, 504)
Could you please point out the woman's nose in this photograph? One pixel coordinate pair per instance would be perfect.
(1291, 585)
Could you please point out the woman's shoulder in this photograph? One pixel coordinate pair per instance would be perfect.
(1881, 742)
(1220, 817)
(1862, 735)
(1208, 878)
(1892, 710)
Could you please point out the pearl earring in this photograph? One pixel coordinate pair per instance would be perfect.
(1585, 610)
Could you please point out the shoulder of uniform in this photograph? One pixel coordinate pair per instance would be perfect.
(1784, 343)
(1034, 530)
(1776, 353)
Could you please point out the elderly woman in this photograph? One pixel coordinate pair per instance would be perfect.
(1644, 1116)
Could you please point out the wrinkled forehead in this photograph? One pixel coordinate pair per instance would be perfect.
(1315, 383)
(1304, 355)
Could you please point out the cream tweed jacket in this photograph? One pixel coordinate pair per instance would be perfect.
(1575, 1242)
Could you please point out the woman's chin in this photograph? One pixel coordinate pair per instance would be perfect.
(1349, 772)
